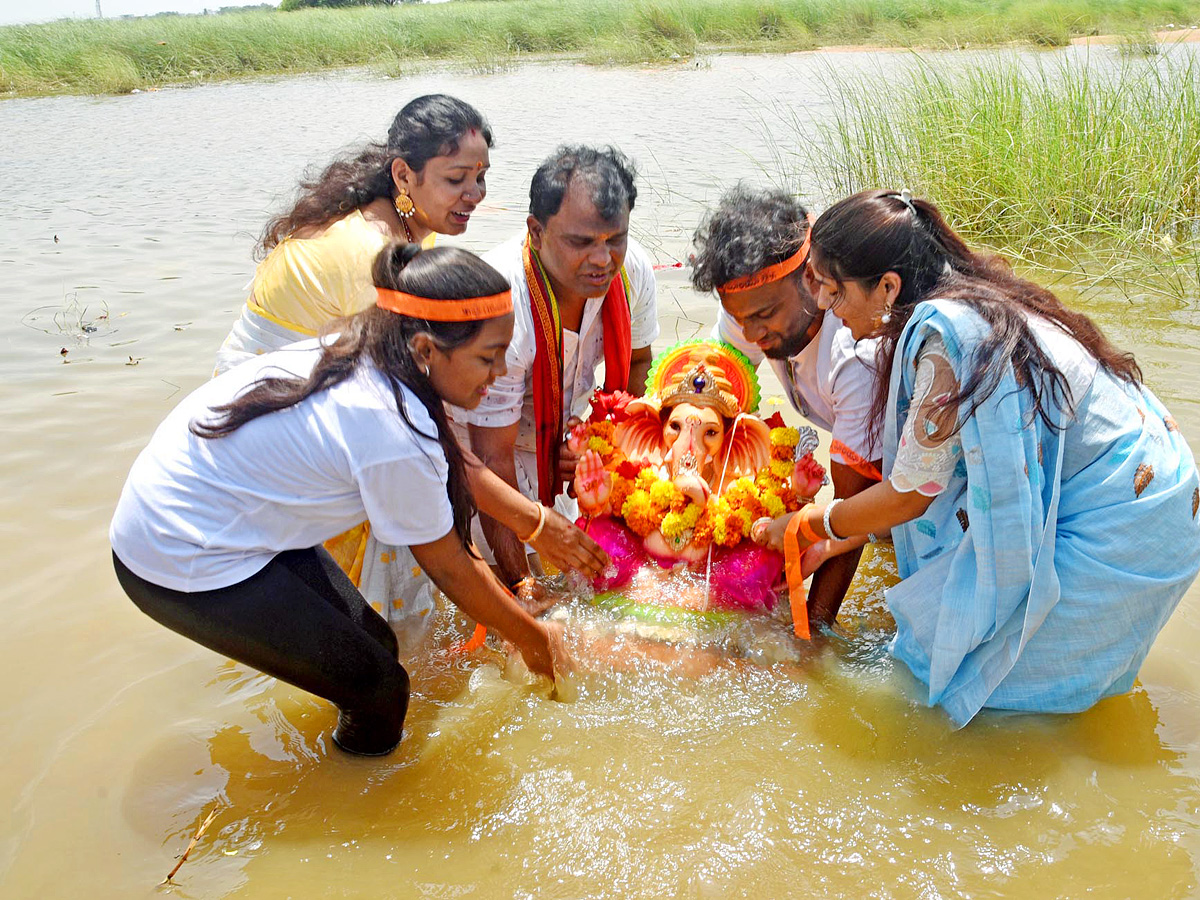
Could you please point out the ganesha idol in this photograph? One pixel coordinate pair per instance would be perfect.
(677, 479)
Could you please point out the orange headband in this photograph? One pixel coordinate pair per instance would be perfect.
(770, 273)
(471, 309)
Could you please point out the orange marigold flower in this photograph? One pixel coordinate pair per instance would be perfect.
(781, 451)
(640, 514)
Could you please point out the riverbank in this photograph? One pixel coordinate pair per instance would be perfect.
(117, 56)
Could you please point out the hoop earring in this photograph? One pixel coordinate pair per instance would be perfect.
(426, 370)
(404, 204)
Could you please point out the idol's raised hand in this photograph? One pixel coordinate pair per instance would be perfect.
(593, 484)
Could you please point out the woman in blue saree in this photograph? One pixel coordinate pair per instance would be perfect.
(1042, 501)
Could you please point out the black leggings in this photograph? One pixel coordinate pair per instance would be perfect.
(301, 620)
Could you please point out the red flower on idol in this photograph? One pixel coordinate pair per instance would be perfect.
(610, 406)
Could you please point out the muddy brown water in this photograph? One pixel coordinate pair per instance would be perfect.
(126, 233)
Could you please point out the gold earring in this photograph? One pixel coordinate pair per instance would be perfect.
(404, 204)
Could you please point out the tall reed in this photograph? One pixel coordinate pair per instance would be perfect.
(117, 55)
(1072, 160)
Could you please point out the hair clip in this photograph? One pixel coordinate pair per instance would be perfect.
(906, 198)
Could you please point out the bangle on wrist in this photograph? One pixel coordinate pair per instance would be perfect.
(805, 529)
(825, 519)
(533, 536)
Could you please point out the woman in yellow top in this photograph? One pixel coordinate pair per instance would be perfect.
(428, 177)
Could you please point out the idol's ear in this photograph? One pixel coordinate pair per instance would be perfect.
(747, 447)
(639, 436)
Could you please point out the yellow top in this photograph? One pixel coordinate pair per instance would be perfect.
(306, 282)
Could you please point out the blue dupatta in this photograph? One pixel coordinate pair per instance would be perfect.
(1028, 585)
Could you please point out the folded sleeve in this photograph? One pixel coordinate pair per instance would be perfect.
(406, 499)
(851, 444)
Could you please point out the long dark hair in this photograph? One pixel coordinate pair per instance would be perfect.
(426, 127)
(442, 273)
(874, 232)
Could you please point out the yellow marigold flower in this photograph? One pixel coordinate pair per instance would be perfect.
(600, 445)
(780, 451)
(674, 525)
(747, 484)
(774, 505)
(691, 514)
(746, 517)
(664, 493)
(784, 437)
(781, 469)
(645, 478)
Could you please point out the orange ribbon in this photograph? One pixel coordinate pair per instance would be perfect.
(475, 642)
(469, 309)
(795, 578)
(770, 273)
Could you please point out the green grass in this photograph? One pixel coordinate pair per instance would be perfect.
(106, 56)
(1095, 169)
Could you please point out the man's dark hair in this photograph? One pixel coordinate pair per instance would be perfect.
(749, 230)
(607, 173)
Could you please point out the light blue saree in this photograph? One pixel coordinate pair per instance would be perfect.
(1039, 578)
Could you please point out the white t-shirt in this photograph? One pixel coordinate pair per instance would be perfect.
(830, 382)
(510, 398)
(199, 514)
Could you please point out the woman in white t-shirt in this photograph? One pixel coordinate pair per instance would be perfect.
(218, 530)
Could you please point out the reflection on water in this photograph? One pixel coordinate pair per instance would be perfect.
(671, 765)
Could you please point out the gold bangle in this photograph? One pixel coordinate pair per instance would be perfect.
(540, 525)
(807, 530)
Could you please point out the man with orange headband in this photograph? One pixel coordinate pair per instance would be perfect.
(583, 293)
(752, 250)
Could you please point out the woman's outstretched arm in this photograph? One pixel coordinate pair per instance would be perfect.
(472, 587)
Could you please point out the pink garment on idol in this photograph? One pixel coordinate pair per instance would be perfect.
(623, 547)
(743, 578)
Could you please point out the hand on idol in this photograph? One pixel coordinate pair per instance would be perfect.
(572, 448)
(567, 548)
(807, 478)
(533, 597)
(593, 484)
(770, 533)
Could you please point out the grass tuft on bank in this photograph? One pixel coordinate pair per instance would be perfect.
(117, 55)
(1097, 167)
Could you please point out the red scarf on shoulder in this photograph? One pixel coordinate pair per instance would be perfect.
(548, 362)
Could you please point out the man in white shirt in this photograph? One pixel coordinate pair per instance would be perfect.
(752, 250)
(583, 293)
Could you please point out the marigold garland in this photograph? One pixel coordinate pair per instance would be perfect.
(649, 502)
